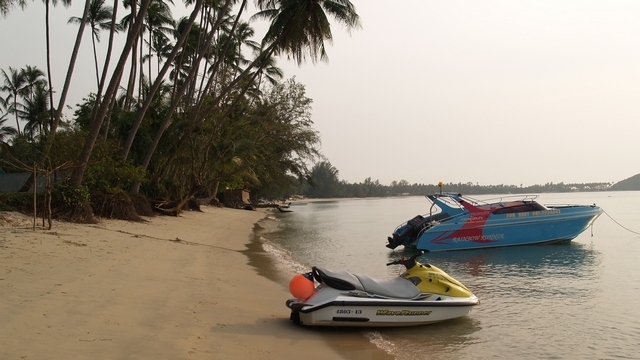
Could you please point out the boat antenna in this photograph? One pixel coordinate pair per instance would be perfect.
(440, 184)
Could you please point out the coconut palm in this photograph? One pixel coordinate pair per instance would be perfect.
(32, 77)
(298, 29)
(185, 27)
(36, 112)
(158, 23)
(47, 3)
(34, 93)
(110, 93)
(99, 18)
(6, 131)
(7, 5)
(13, 84)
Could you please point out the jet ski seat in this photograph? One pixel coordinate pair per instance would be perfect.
(397, 287)
(343, 280)
(339, 279)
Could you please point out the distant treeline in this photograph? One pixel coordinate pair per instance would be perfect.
(324, 183)
(370, 188)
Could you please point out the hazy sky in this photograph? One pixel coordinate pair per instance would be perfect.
(489, 92)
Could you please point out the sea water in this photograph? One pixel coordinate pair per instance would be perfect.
(575, 300)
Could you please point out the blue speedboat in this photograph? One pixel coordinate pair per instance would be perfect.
(457, 222)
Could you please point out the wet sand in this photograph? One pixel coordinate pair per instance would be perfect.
(198, 286)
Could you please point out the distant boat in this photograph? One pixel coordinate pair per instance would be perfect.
(283, 208)
(457, 222)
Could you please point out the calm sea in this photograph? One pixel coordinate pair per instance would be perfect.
(578, 300)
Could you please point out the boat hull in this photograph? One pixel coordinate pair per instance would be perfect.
(367, 312)
(474, 231)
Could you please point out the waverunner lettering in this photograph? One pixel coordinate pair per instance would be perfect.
(476, 238)
(401, 313)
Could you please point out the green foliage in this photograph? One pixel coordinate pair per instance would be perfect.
(82, 114)
(22, 202)
(106, 172)
(70, 196)
(324, 181)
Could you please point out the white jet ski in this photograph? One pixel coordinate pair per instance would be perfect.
(423, 294)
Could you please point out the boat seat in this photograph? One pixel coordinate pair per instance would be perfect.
(396, 287)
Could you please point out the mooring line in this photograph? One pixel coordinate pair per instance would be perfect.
(622, 226)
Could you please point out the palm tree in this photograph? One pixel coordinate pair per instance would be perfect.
(66, 3)
(99, 18)
(110, 92)
(13, 84)
(298, 29)
(32, 77)
(6, 132)
(36, 112)
(6, 5)
(183, 35)
(177, 96)
(34, 93)
(159, 23)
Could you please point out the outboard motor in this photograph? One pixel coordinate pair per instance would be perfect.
(408, 232)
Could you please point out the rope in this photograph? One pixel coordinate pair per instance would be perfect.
(629, 230)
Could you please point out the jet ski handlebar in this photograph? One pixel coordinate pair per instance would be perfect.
(408, 263)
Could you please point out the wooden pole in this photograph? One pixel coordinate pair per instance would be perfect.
(35, 184)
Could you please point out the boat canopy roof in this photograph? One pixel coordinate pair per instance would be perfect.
(496, 206)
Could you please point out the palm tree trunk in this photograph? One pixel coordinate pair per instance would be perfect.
(51, 111)
(105, 68)
(135, 187)
(134, 62)
(96, 122)
(95, 58)
(156, 85)
(63, 96)
(216, 65)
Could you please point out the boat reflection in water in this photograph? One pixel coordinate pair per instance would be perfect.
(526, 280)
(562, 259)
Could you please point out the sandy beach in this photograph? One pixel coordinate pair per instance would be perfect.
(197, 286)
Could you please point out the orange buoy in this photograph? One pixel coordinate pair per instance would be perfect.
(301, 287)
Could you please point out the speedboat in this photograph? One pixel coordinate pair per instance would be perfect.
(423, 294)
(457, 222)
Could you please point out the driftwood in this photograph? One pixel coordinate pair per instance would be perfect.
(174, 207)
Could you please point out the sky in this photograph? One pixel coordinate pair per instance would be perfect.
(490, 92)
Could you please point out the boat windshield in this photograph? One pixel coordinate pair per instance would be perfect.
(521, 207)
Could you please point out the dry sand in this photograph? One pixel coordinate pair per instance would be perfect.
(197, 286)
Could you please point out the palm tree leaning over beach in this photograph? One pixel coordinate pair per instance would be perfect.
(99, 18)
(298, 29)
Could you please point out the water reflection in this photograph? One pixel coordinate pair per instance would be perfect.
(569, 259)
(440, 340)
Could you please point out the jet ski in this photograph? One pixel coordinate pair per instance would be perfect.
(423, 294)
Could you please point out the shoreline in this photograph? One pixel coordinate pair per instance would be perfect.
(198, 286)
